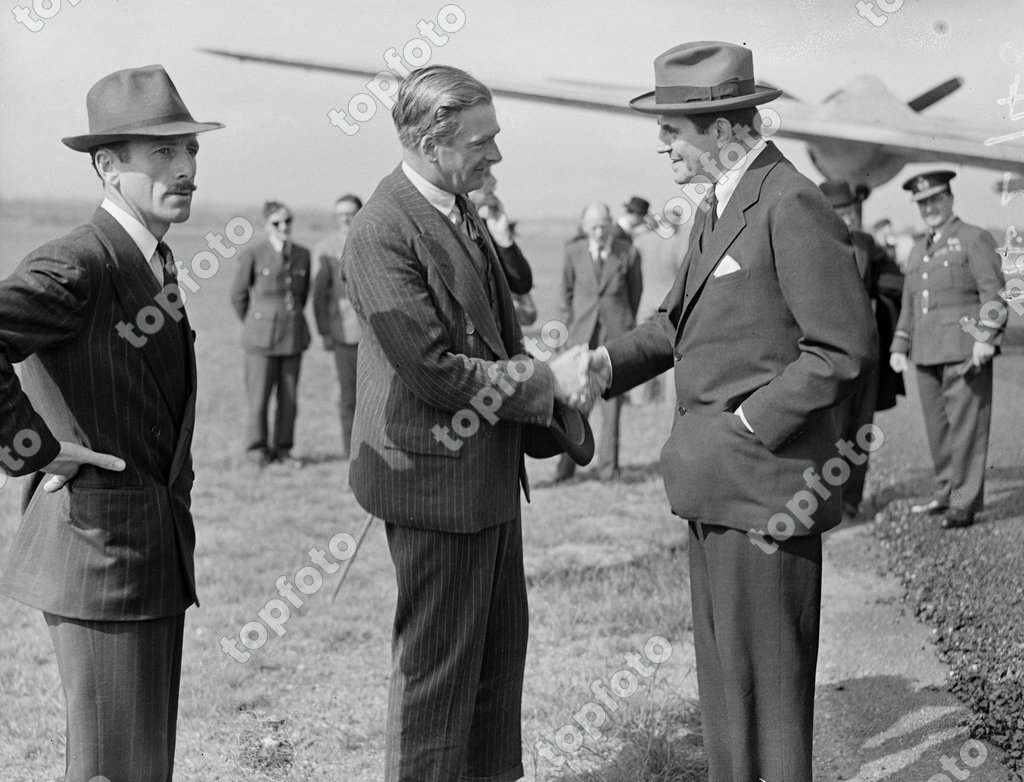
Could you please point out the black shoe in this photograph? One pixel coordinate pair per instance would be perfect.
(932, 507)
(957, 518)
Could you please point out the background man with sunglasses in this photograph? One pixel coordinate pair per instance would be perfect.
(269, 295)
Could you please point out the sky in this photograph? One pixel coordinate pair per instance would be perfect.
(280, 143)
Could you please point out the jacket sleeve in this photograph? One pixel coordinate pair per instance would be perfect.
(568, 288)
(43, 304)
(635, 280)
(986, 268)
(243, 282)
(516, 267)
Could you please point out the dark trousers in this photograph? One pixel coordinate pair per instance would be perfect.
(755, 633)
(264, 374)
(459, 649)
(121, 686)
(853, 414)
(607, 442)
(957, 415)
(345, 360)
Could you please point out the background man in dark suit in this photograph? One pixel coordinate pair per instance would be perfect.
(950, 326)
(438, 438)
(601, 287)
(335, 316)
(883, 281)
(269, 294)
(105, 546)
(769, 326)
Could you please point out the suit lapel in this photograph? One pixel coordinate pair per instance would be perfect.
(702, 262)
(450, 255)
(136, 288)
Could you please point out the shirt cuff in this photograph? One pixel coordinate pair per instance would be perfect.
(743, 418)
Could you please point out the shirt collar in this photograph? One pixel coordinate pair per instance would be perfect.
(731, 179)
(276, 243)
(139, 234)
(441, 200)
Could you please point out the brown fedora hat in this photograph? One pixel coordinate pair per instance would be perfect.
(135, 102)
(702, 77)
(569, 433)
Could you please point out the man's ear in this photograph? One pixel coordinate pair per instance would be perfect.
(105, 162)
(428, 148)
(724, 133)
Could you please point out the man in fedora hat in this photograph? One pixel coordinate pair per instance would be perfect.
(768, 326)
(632, 219)
(884, 283)
(444, 401)
(950, 327)
(107, 403)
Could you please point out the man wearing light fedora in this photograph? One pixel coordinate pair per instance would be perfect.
(768, 326)
(104, 415)
(950, 328)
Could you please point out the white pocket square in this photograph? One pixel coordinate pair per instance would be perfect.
(727, 265)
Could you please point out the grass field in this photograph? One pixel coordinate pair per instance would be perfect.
(605, 563)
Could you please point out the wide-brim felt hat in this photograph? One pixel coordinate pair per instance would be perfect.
(703, 77)
(926, 185)
(838, 193)
(569, 433)
(135, 102)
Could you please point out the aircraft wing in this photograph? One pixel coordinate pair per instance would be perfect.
(862, 115)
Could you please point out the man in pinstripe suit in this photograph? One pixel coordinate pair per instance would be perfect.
(106, 407)
(443, 394)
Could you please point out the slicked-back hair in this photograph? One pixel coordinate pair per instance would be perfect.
(430, 103)
(350, 197)
(269, 207)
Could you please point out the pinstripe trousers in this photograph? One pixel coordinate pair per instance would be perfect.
(121, 686)
(459, 651)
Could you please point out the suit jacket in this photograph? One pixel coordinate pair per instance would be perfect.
(269, 296)
(946, 283)
(442, 390)
(596, 310)
(109, 545)
(335, 316)
(787, 335)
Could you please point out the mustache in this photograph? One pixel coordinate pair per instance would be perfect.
(183, 188)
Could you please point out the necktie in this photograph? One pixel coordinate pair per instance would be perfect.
(163, 265)
(713, 204)
(595, 254)
(710, 218)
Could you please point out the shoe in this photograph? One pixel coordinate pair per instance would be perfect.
(257, 458)
(932, 507)
(285, 458)
(956, 518)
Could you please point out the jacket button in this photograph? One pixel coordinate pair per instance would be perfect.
(677, 356)
(681, 410)
(155, 431)
(470, 329)
(257, 315)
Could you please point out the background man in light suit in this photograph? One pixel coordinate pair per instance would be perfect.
(768, 326)
(443, 393)
(335, 317)
(105, 546)
(269, 294)
(601, 288)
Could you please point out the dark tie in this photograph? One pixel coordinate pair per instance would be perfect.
(167, 259)
(710, 218)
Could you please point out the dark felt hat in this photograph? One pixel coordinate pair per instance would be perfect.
(703, 77)
(135, 102)
(838, 193)
(638, 206)
(569, 433)
(926, 185)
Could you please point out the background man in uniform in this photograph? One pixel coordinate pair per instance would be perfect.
(443, 397)
(769, 327)
(105, 545)
(884, 283)
(335, 317)
(269, 294)
(950, 327)
(601, 286)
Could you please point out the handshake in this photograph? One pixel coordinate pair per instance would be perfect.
(581, 376)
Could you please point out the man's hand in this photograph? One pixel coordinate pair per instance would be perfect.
(595, 375)
(898, 362)
(71, 457)
(566, 369)
(982, 353)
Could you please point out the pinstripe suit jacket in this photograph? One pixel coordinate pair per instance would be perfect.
(441, 399)
(110, 545)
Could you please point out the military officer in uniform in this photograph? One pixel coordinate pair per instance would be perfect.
(950, 327)
(269, 295)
